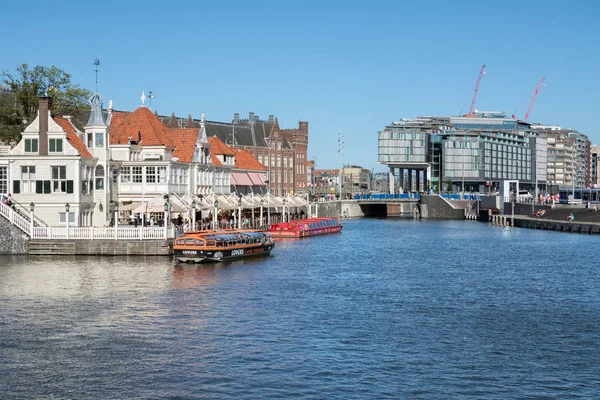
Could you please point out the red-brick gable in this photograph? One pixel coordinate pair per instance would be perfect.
(72, 137)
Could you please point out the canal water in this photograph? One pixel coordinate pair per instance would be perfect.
(386, 309)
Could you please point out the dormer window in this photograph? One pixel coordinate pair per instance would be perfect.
(55, 145)
(31, 145)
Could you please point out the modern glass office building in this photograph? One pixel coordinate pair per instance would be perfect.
(465, 153)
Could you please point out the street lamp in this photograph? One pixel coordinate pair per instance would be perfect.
(283, 218)
(240, 211)
(215, 211)
(261, 212)
(166, 208)
(116, 215)
(193, 215)
(31, 207)
(67, 208)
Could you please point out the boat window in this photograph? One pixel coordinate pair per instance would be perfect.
(180, 241)
(189, 241)
(199, 242)
(210, 242)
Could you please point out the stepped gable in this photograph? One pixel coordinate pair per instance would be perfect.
(284, 134)
(141, 125)
(72, 137)
(184, 141)
(245, 160)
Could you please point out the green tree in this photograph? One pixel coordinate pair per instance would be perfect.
(25, 85)
(449, 187)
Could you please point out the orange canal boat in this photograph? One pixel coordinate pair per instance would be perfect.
(306, 227)
(203, 246)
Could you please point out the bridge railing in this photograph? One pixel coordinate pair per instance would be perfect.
(407, 196)
(396, 196)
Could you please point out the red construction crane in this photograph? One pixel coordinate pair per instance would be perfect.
(537, 90)
(476, 90)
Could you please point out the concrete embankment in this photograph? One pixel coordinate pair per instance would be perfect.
(586, 221)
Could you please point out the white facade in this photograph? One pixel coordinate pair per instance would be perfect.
(92, 176)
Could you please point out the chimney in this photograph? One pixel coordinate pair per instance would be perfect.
(271, 118)
(236, 118)
(251, 116)
(45, 106)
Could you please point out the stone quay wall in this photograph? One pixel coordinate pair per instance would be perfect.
(102, 247)
(12, 239)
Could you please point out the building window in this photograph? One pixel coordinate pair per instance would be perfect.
(99, 140)
(59, 179)
(285, 162)
(136, 173)
(100, 177)
(278, 161)
(27, 179)
(162, 174)
(4, 180)
(62, 218)
(55, 145)
(31, 145)
(150, 174)
(90, 140)
(125, 174)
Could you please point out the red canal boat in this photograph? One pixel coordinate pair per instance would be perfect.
(306, 227)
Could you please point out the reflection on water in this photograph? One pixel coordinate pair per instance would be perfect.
(387, 308)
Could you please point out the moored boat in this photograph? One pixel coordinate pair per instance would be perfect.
(306, 227)
(202, 246)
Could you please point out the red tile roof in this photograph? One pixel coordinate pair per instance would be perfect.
(72, 137)
(184, 141)
(218, 147)
(245, 160)
(141, 122)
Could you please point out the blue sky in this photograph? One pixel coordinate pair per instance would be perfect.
(343, 66)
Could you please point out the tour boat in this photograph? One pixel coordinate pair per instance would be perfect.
(202, 246)
(306, 227)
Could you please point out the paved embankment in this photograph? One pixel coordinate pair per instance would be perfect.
(586, 221)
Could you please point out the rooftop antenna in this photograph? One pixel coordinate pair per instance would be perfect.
(151, 95)
(96, 63)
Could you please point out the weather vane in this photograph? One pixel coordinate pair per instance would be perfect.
(151, 95)
(96, 63)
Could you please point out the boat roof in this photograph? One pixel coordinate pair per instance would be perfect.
(220, 235)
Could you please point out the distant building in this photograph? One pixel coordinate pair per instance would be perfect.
(569, 156)
(356, 179)
(594, 154)
(461, 153)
